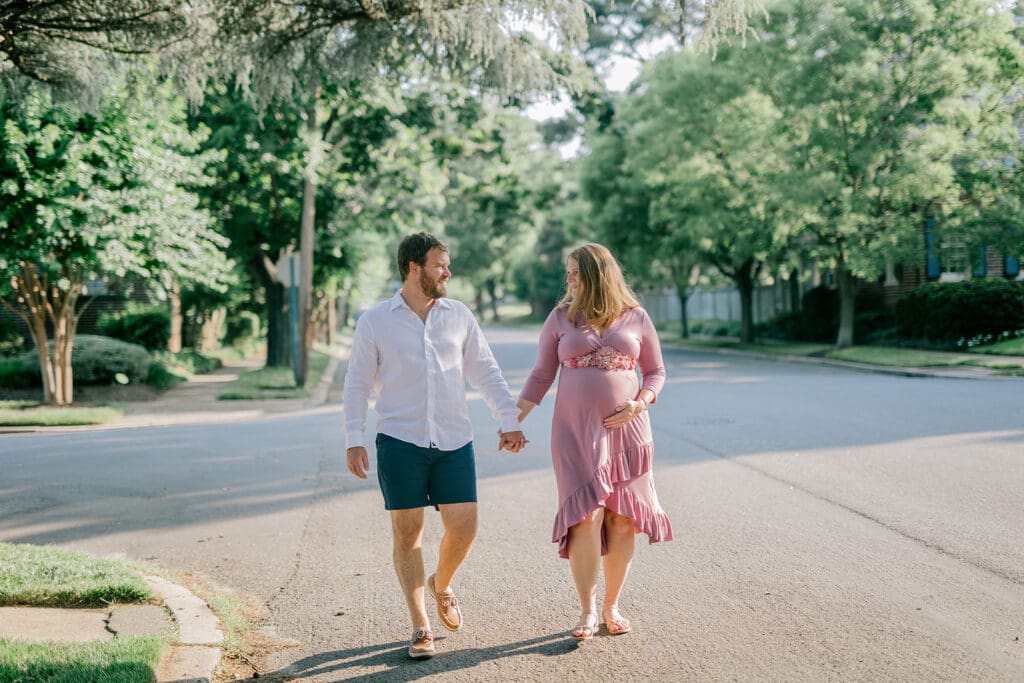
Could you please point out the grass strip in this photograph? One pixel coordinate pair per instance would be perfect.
(271, 383)
(48, 577)
(1007, 347)
(121, 660)
(908, 358)
(45, 416)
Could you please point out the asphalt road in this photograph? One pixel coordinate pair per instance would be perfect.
(830, 525)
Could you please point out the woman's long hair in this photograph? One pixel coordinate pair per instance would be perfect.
(602, 294)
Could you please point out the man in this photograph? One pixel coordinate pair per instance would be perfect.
(418, 349)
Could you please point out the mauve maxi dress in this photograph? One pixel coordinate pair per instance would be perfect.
(595, 466)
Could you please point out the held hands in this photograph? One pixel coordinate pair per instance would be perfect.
(358, 462)
(511, 441)
(626, 412)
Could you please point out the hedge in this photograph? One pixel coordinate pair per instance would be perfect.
(97, 360)
(148, 327)
(962, 313)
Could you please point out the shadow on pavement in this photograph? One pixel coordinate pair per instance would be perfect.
(400, 668)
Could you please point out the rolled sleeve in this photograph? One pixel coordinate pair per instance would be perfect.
(483, 374)
(359, 380)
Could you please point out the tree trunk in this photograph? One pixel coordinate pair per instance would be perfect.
(847, 295)
(209, 334)
(681, 276)
(794, 290)
(174, 296)
(478, 303)
(492, 292)
(332, 320)
(306, 244)
(745, 284)
(39, 301)
(279, 337)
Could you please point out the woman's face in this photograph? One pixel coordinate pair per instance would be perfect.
(572, 275)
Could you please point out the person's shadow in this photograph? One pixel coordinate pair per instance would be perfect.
(400, 667)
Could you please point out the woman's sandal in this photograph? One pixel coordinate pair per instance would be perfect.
(617, 624)
(587, 627)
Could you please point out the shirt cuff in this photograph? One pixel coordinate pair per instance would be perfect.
(354, 440)
(511, 424)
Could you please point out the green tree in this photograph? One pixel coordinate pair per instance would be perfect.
(694, 171)
(97, 194)
(889, 101)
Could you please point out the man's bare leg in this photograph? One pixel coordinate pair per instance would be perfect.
(459, 520)
(407, 531)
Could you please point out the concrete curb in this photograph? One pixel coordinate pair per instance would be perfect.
(192, 656)
(196, 654)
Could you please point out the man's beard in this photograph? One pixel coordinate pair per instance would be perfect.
(435, 289)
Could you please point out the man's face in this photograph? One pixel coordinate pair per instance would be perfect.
(434, 274)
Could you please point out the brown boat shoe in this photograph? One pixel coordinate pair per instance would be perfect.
(422, 646)
(448, 610)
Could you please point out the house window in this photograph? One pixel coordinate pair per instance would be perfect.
(980, 262)
(955, 261)
(1012, 266)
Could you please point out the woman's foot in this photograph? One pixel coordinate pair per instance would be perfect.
(616, 623)
(586, 628)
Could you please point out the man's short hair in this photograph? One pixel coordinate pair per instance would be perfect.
(415, 248)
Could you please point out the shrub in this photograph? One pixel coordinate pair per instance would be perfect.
(961, 313)
(241, 327)
(818, 318)
(97, 360)
(716, 328)
(188, 362)
(148, 327)
(15, 374)
(11, 341)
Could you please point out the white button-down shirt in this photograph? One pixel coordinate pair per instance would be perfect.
(419, 372)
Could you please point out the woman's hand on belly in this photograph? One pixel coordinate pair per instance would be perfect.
(624, 414)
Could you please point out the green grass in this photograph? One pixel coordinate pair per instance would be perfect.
(908, 358)
(871, 355)
(46, 416)
(17, 405)
(230, 610)
(121, 660)
(42, 576)
(271, 383)
(779, 349)
(1007, 347)
(48, 577)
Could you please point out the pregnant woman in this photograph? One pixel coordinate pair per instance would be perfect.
(601, 443)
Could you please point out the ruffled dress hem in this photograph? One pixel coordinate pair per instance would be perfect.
(622, 467)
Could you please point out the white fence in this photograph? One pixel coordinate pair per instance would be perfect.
(721, 303)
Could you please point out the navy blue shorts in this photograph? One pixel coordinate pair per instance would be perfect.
(411, 476)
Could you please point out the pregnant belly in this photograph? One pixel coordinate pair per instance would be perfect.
(602, 390)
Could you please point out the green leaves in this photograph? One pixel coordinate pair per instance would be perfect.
(107, 193)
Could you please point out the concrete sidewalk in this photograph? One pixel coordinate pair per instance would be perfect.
(195, 401)
(193, 628)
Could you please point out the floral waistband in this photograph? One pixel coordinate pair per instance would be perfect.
(606, 358)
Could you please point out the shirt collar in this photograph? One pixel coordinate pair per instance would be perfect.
(398, 302)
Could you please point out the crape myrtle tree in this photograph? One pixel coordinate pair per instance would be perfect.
(902, 110)
(104, 193)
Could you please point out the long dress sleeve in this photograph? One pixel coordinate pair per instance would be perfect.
(546, 368)
(652, 366)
